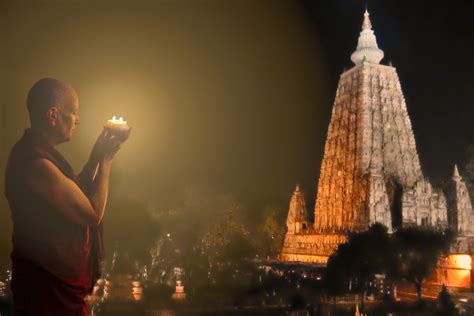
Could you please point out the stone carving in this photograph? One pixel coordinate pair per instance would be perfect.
(370, 170)
(297, 216)
(459, 206)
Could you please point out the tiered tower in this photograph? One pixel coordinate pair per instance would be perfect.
(460, 205)
(370, 170)
(297, 221)
(370, 148)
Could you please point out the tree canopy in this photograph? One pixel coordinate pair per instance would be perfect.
(417, 250)
(364, 255)
(411, 253)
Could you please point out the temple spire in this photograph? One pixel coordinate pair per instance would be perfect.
(297, 215)
(367, 48)
(456, 176)
(367, 25)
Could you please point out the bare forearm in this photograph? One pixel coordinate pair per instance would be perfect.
(99, 189)
(88, 173)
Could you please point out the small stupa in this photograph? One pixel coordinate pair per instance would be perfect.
(179, 292)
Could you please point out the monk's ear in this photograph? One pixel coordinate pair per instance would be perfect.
(52, 115)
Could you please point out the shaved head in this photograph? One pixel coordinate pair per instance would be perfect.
(46, 93)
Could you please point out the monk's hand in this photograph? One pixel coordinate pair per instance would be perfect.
(121, 134)
(107, 145)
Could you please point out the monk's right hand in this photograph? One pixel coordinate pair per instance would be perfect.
(106, 146)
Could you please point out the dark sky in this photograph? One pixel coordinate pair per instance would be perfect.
(231, 96)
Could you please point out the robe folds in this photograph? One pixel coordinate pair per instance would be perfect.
(55, 261)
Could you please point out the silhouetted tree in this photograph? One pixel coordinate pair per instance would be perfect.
(417, 250)
(274, 230)
(364, 255)
(337, 271)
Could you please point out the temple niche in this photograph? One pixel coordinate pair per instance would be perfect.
(370, 170)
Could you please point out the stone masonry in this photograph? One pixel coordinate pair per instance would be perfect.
(370, 170)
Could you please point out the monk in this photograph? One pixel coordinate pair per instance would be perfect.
(57, 216)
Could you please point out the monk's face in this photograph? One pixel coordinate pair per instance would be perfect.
(68, 117)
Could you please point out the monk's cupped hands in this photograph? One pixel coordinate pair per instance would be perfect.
(108, 143)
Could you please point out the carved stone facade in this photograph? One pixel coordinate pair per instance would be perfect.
(460, 213)
(297, 221)
(370, 170)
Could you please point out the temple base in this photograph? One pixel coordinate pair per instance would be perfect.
(310, 248)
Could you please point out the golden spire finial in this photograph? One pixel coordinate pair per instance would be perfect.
(367, 49)
(366, 25)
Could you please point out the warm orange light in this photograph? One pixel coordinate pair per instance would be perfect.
(118, 123)
(455, 271)
(137, 296)
(463, 262)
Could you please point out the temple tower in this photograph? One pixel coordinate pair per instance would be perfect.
(371, 170)
(297, 221)
(370, 148)
(459, 206)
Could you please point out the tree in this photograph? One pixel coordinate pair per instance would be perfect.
(417, 250)
(274, 230)
(337, 272)
(410, 253)
(225, 233)
(364, 255)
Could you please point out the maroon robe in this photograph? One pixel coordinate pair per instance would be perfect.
(55, 261)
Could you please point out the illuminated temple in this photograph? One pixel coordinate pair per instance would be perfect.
(371, 172)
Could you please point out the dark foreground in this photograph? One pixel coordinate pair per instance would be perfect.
(407, 308)
(258, 290)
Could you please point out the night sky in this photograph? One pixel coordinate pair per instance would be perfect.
(230, 97)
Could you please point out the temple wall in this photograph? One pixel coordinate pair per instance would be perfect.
(304, 258)
(369, 134)
(318, 245)
(341, 200)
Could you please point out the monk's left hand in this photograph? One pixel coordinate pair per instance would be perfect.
(108, 144)
(122, 135)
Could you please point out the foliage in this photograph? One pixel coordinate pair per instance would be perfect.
(417, 250)
(274, 230)
(337, 272)
(357, 261)
(410, 253)
(227, 239)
